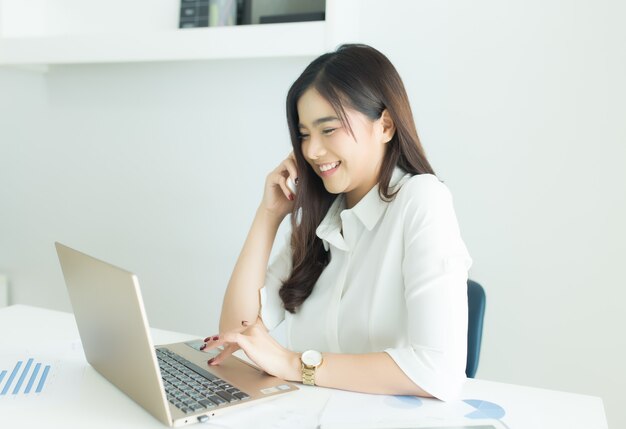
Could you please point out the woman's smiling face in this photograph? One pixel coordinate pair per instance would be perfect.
(346, 163)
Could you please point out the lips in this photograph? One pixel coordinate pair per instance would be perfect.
(329, 168)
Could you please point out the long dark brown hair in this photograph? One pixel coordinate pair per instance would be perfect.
(361, 78)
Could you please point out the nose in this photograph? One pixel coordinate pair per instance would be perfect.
(314, 147)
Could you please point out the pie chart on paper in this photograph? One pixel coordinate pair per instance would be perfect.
(484, 410)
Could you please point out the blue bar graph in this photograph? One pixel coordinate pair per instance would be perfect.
(22, 377)
(42, 380)
(32, 378)
(11, 377)
(17, 383)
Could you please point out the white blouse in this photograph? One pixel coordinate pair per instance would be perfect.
(396, 282)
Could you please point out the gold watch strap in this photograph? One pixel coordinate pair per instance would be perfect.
(308, 375)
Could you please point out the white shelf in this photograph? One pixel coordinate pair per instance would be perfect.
(38, 33)
(245, 41)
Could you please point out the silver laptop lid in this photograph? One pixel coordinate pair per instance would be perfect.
(114, 329)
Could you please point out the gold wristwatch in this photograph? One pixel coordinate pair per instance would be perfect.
(310, 359)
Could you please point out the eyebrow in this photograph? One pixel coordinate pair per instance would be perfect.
(321, 120)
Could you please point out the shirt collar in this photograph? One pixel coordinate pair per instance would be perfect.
(329, 230)
(369, 211)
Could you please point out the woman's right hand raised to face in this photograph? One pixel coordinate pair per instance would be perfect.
(277, 197)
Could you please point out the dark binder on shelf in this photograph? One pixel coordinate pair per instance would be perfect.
(292, 17)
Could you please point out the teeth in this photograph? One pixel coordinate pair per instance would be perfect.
(327, 167)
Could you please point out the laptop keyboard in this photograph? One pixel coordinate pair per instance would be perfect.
(191, 388)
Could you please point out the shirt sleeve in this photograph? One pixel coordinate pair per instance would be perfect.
(434, 268)
(272, 310)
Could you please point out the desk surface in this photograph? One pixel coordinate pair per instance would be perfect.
(85, 399)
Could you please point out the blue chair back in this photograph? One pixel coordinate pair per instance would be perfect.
(476, 302)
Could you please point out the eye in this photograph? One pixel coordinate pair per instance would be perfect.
(329, 131)
(303, 136)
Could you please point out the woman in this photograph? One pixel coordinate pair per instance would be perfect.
(372, 285)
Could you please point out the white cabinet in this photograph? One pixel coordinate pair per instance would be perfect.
(43, 32)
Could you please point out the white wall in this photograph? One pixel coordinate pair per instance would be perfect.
(520, 107)
(157, 168)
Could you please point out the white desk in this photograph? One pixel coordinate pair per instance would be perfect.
(93, 402)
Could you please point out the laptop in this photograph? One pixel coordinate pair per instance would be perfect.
(173, 382)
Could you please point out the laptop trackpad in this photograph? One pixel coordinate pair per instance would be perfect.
(195, 344)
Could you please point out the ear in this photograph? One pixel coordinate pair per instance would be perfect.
(388, 127)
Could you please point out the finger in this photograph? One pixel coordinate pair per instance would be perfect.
(288, 168)
(282, 183)
(208, 340)
(210, 346)
(291, 168)
(211, 338)
(216, 337)
(228, 351)
(278, 178)
(223, 340)
(232, 342)
(213, 343)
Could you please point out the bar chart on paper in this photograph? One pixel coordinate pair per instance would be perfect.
(27, 377)
(51, 372)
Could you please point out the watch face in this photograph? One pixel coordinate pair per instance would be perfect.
(312, 358)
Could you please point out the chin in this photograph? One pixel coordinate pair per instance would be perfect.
(332, 189)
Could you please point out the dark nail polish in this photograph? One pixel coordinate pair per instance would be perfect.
(215, 338)
(207, 339)
(203, 346)
(210, 361)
